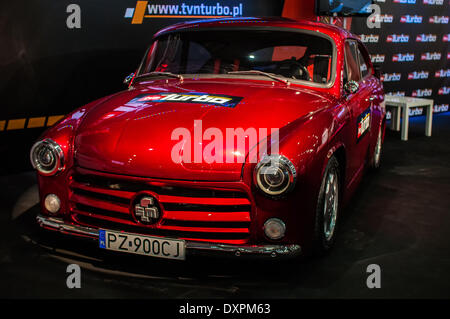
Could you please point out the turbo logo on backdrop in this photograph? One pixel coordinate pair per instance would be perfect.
(411, 46)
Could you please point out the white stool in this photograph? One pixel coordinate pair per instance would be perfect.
(402, 104)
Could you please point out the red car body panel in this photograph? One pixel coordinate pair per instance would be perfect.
(110, 142)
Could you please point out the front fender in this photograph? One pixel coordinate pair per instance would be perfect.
(63, 132)
(307, 143)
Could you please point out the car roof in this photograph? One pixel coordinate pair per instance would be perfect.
(274, 22)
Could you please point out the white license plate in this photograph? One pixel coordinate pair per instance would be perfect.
(142, 245)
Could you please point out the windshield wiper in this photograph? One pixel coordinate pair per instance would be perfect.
(257, 72)
(168, 74)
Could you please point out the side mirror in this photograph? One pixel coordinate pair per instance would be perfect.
(128, 79)
(351, 87)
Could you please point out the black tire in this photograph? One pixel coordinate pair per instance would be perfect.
(323, 241)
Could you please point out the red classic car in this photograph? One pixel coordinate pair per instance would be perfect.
(235, 136)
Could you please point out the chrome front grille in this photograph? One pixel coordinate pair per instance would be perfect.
(192, 212)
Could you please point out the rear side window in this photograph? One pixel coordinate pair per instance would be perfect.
(351, 61)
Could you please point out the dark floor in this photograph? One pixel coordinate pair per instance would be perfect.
(399, 219)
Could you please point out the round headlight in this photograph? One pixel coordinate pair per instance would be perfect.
(275, 175)
(47, 157)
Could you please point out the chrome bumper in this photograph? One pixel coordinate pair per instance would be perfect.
(57, 224)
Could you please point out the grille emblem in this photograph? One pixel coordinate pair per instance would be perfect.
(146, 210)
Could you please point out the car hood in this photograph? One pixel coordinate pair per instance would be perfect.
(132, 133)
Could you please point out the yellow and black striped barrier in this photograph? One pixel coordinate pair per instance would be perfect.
(31, 122)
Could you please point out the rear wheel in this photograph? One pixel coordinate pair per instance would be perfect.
(327, 210)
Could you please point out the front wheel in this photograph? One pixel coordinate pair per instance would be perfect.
(376, 159)
(327, 209)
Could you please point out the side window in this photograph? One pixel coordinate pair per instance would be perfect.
(364, 65)
(351, 60)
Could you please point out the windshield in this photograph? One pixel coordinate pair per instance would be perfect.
(289, 54)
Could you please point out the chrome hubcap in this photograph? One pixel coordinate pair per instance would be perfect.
(378, 148)
(330, 208)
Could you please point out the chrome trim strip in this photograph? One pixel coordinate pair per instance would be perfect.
(58, 224)
(272, 250)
